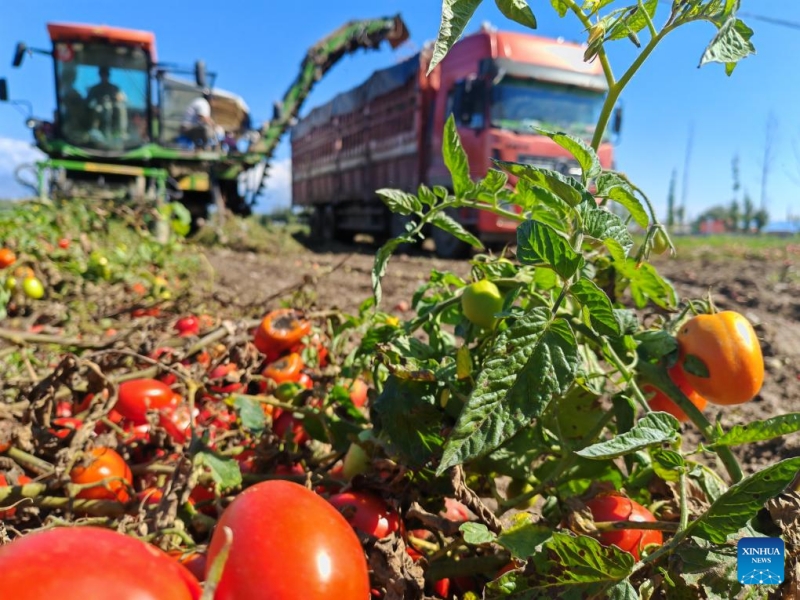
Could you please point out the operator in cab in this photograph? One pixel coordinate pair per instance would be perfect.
(197, 124)
(108, 104)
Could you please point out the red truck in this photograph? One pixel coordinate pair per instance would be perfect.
(387, 132)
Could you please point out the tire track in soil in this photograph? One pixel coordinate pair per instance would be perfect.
(755, 288)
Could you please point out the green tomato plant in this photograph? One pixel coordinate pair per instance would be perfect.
(550, 395)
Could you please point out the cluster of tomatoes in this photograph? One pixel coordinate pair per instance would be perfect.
(31, 285)
(277, 525)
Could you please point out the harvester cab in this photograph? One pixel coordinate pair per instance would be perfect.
(120, 126)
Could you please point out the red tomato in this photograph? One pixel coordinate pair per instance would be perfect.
(64, 408)
(177, 422)
(455, 511)
(285, 423)
(367, 512)
(78, 563)
(195, 562)
(318, 548)
(219, 379)
(64, 426)
(442, 588)
(103, 464)
(358, 392)
(63, 243)
(305, 381)
(661, 402)
(186, 326)
(137, 396)
(619, 508)
(285, 370)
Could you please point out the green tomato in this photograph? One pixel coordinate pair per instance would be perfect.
(480, 301)
(660, 242)
(33, 288)
(10, 283)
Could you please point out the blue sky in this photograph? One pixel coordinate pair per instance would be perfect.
(256, 47)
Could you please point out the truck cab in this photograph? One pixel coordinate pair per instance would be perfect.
(498, 86)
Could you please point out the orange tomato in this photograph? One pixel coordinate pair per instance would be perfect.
(103, 463)
(280, 330)
(661, 402)
(726, 344)
(286, 369)
(7, 258)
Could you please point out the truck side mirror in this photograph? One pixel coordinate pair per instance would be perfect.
(3, 90)
(200, 74)
(19, 54)
(616, 125)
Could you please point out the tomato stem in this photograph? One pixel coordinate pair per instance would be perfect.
(671, 526)
(659, 378)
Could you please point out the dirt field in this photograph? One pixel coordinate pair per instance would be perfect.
(766, 291)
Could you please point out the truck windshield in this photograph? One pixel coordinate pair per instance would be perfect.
(102, 95)
(520, 104)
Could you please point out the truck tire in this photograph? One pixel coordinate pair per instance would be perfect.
(323, 225)
(448, 245)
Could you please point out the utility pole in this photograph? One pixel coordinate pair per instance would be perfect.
(686, 163)
(769, 155)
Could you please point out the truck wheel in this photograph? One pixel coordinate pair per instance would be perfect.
(448, 245)
(323, 225)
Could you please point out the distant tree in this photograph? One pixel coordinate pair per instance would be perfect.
(734, 216)
(680, 215)
(671, 200)
(748, 211)
(760, 219)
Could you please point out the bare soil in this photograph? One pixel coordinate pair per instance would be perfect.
(338, 277)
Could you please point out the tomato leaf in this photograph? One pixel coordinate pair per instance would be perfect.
(572, 566)
(645, 282)
(540, 244)
(597, 302)
(523, 536)
(400, 202)
(570, 190)
(382, 257)
(602, 225)
(759, 431)
(655, 344)
(456, 159)
(561, 7)
(667, 464)
(453, 227)
(250, 413)
(707, 569)
(476, 534)
(585, 155)
(224, 471)
(455, 16)
(730, 45)
(610, 185)
(534, 360)
(708, 481)
(733, 509)
(632, 20)
(409, 420)
(492, 184)
(694, 365)
(518, 11)
(652, 430)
